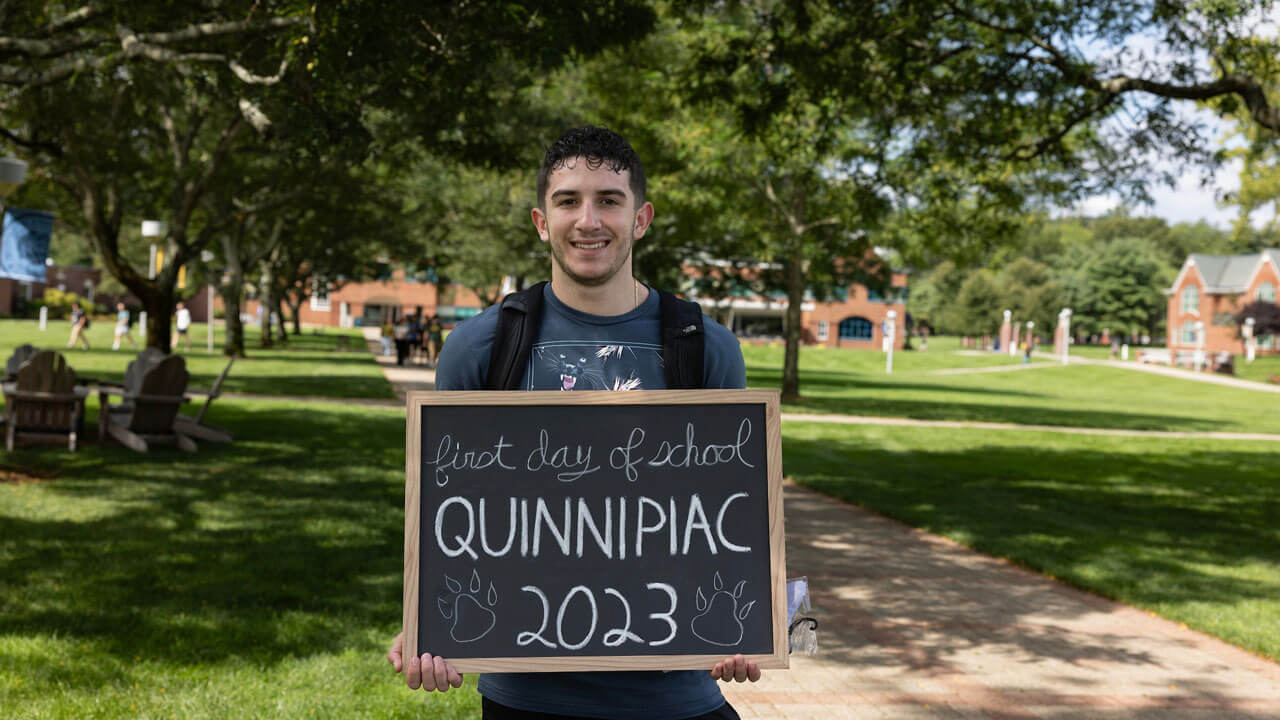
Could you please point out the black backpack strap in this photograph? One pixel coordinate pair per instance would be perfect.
(683, 341)
(518, 320)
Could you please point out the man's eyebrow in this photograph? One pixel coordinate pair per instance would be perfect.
(607, 191)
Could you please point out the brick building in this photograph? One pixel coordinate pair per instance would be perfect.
(1211, 289)
(855, 319)
(82, 281)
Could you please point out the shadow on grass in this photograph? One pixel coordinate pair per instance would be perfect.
(288, 542)
(1180, 531)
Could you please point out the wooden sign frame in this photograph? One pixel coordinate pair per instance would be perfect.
(416, 401)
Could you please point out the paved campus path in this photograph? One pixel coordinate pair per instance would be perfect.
(913, 625)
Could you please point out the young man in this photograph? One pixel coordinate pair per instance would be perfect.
(600, 330)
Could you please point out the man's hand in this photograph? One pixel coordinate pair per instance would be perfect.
(736, 669)
(427, 672)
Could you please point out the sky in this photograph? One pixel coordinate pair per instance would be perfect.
(1188, 202)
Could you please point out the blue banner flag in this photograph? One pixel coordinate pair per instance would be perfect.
(24, 244)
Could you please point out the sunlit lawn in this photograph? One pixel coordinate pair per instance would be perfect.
(1262, 369)
(1189, 529)
(307, 365)
(854, 382)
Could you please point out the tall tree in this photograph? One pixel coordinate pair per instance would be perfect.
(135, 110)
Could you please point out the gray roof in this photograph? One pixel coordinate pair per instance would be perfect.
(1231, 273)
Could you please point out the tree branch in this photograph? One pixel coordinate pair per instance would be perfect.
(75, 18)
(52, 149)
(208, 30)
(48, 48)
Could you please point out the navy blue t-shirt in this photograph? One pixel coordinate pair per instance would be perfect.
(579, 351)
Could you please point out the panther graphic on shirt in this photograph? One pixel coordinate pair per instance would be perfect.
(577, 365)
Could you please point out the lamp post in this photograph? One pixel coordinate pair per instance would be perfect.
(1199, 345)
(1250, 342)
(1064, 322)
(151, 229)
(890, 330)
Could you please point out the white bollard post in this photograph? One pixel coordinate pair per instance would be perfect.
(1064, 322)
(44, 318)
(1250, 342)
(890, 332)
(142, 324)
(1124, 351)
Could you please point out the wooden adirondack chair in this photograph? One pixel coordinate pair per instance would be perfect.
(196, 426)
(149, 409)
(43, 401)
(20, 355)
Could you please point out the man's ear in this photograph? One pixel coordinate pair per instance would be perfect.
(540, 224)
(643, 218)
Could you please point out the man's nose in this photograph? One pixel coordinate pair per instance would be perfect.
(588, 218)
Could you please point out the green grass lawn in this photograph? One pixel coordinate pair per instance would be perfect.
(1187, 529)
(256, 580)
(308, 365)
(1261, 369)
(853, 382)
(263, 579)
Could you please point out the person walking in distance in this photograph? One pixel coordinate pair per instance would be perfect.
(181, 324)
(79, 324)
(124, 327)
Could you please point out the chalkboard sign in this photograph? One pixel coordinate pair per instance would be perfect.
(555, 531)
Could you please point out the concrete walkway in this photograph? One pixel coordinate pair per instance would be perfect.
(913, 625)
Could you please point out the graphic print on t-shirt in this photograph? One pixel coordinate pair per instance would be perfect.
(585, 365)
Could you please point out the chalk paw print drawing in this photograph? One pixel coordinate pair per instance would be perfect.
(472, 617)
(719, 620)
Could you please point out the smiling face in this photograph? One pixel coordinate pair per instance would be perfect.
(590, 220)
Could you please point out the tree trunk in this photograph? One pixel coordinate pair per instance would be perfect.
(280, 303)
(267, 301)
(231, 293)
(159, 307)
(795, 299)
(295, 309)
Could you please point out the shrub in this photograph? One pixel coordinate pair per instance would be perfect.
(59, 303)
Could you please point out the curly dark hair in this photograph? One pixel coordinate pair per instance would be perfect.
(601, 148)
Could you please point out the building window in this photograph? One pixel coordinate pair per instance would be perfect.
(1188, 333)
(1266, 292)
(1191, 300)
(824, 330)
(1267, 342)
(855, 328)
(320, 297)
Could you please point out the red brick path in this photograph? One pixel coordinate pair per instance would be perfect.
(916, 626)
